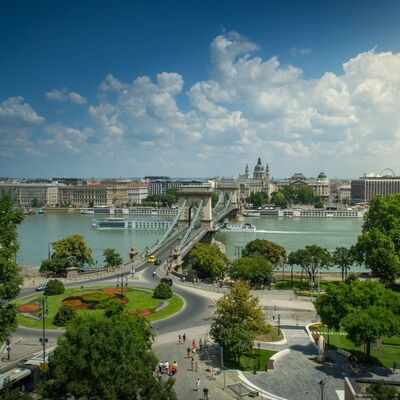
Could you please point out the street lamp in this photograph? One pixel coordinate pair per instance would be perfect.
(43, 312)
(321, 385)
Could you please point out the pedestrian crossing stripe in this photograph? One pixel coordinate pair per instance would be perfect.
(330, 333)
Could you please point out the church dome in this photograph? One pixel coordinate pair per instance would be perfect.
(259, 166)
(322, 175)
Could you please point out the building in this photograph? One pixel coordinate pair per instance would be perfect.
(259, 182)
(85, 195)
(25, 194)
(159, 185)
(137, 192)
(343, 193)
(357, 388)
(368, 186)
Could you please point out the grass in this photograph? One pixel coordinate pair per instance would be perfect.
(138, 300)
(249, 362)
(386, 355)
(286, 284)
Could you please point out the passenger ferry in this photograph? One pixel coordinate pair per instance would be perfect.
(305, 213)
(246, 227)
(140, 211)
(122, 223)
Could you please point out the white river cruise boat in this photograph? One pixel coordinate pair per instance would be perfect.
(123, 223)
(246, 227)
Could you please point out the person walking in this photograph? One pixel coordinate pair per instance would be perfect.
(198, 382)
(205, 394)
(192, 363)
(184, 337)
(188, 350)
(179, 338)
(193, 344)
(200, 345)
(196, 366)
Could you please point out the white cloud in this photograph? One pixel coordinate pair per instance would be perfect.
(63, 95)
(15, 110)
(250, 106)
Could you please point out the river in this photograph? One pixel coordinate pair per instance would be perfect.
(38, 231)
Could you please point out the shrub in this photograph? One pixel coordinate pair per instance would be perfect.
(64, 315)
(113, 307)
(162, 291)
(53, 287)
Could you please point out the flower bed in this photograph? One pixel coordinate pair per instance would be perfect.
(94, 300)
(29, 308)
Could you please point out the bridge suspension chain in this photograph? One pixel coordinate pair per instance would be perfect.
(192, 223)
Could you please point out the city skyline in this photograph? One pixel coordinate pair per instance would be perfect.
(199, 89)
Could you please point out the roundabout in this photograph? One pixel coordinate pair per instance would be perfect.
(138, 300)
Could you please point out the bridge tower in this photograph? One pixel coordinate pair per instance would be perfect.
(196, 196)
(229, 189)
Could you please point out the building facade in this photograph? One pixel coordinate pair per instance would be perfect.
(367, 187)
(24, 194)
(137, 192)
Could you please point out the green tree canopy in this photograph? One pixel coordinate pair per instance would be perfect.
(279, 199)
(237, 320)
(258, 199)
(344, 259)
(305, 195)
(383, 391)
(208, 260)
(112, 258)
(272, 252)
(106, 358)
(10, 279)
(312, 259)
(378, 247)
(366, 310)
(255, 269)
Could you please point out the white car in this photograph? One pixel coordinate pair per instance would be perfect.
(41, 287)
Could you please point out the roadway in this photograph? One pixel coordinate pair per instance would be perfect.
(196, 311)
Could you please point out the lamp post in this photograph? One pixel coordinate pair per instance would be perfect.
(43, 312)
(279, 323)
(222, 364)
(258, 345)
(321, 385)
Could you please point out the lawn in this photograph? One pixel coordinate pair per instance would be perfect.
(249, 362)
(298, 285)
(385, 355)
(139, 299)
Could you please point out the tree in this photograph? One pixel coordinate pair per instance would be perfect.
(256, 270)
(312, 259)
(343, 258)
(237, 320)
(366, 310)
(10, 279)
(64, 315)
(279, 199)
(56, 266)
(258, 199)
(54, 287)
(378, 247)
(383, 391)
(8, 392)
(112, 258)
(305, 195)
(162, 291)
(272, 252)
(106, 358)
(208, 260)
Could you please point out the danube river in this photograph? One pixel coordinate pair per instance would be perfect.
(38, 231)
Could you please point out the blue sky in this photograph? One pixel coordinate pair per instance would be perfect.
(198, 88)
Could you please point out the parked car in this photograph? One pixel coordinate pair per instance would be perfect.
(41, 287)
(158, 262)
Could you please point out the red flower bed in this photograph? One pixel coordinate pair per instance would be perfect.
(29, 307)
(113, 290)
(75, 303)
(144, 313)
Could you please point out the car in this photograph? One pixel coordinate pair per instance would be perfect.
(41, 287)
(168, 281)
(158, 262)
(152, 259)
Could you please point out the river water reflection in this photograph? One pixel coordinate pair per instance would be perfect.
(36, 232)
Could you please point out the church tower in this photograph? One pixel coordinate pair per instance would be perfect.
(259, 171)
(246, 171)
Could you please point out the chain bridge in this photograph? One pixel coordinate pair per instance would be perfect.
(197, 216)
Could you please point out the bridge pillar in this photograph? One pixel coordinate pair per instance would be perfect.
(227, 190)
(194, 194)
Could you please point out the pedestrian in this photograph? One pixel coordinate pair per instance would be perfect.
(194, 351)
(205, 394)
(160, 367)
(193, 344)
(184, 337)
(188, 351)
(196, 366)
(197, 384)
(166, 367)
(201, 345)
(179, 339)
(192, 363)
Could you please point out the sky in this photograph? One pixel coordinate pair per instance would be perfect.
(198, 88)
